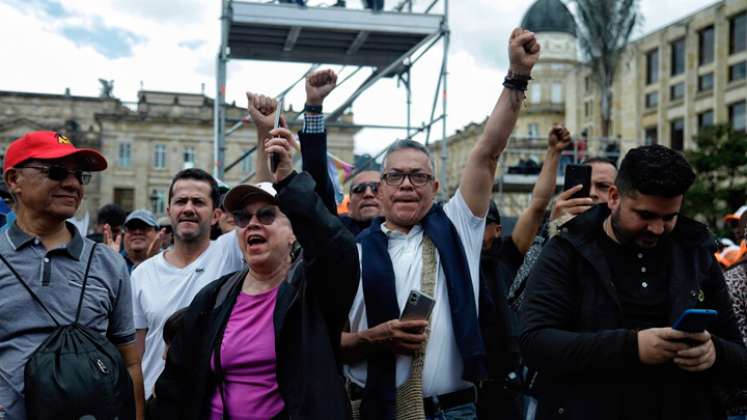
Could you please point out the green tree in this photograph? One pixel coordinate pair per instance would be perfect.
(720, 163)
(604, 28)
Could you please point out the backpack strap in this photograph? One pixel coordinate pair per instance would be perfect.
(28, 289)
(85, 280)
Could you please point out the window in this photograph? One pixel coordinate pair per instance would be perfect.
(533, 129)
(247, 165)
(705, 82)
(650, 136)
(738, 71)
(587, 108)
(678, 57)
(124, 155)
(652, 99)
(536, 94)
(738, 116)
(158, 201)
(159, 157)
(705, 119)
(677, 134)
(677, 91)
(556, 94)
(705, 45)
(652, 66)
(189, 157)
(587, 84)
(738, 33)
(125, 198)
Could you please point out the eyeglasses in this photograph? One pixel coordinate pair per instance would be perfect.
(361, 187)
(418, 179)
(265, 215)
(60, 173)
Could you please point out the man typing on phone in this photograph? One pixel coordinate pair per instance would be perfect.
(601, 299)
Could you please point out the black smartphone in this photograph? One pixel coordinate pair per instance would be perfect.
(578, 175)
(274, 158)
(418, 307)
(695, 320)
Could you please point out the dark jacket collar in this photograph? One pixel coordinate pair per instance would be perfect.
(19, 239)
(691, 243)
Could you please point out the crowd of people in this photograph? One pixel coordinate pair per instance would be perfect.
(262, 302)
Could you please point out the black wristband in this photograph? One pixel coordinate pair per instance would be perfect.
(314, 109)
(518, 76)
(514, 84)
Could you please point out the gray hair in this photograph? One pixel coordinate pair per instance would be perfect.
(407, 144)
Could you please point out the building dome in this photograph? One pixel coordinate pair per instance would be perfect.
(549, 16)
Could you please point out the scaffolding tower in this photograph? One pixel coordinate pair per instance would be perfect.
(387, 42)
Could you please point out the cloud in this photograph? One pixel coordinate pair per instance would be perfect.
(111, 42)
(192, 44)
(180, 11)
(46, 8)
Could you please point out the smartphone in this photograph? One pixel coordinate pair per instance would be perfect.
(575, 175)
(695, 320)
(274, 158)
(418, 306)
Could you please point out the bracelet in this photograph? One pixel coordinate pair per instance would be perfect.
(514, 84)
(518, 76)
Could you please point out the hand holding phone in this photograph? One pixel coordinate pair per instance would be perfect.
(418, 307)
(695, 320)
(578, 175)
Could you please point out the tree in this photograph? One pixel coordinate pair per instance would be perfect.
(720, 163)
(604, 28)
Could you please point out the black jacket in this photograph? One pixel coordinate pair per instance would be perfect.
(572, 334)
(311, 310)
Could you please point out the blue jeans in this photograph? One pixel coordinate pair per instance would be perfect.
(460, 412)
(740, 417)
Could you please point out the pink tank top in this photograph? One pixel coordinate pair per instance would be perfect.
(248, 359)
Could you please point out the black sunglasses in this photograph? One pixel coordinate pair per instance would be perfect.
(361, 187)
(265, 215)
(60, 173)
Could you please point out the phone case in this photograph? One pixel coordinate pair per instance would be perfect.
(418, 307)
(694, 320)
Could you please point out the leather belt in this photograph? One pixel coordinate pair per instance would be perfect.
(433, 405)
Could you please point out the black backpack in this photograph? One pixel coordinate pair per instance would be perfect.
(76, 372)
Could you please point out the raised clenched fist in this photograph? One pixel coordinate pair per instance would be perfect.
(523, 51)
(318, 85)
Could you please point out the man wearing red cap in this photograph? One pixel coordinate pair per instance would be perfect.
(46, 173)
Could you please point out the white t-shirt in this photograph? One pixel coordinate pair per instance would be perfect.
(443, 368)
(159, 289)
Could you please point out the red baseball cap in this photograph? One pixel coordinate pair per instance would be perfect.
(50, 145)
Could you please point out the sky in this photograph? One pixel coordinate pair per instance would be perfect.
(170, 45)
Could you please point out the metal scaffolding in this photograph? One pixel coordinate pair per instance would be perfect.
(388, 42)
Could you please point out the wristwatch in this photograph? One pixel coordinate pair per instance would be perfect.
(314, 109)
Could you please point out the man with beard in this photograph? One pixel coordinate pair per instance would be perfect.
(604, 293)
(170, 280)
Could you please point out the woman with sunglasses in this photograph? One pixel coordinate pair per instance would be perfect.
(262, 343)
